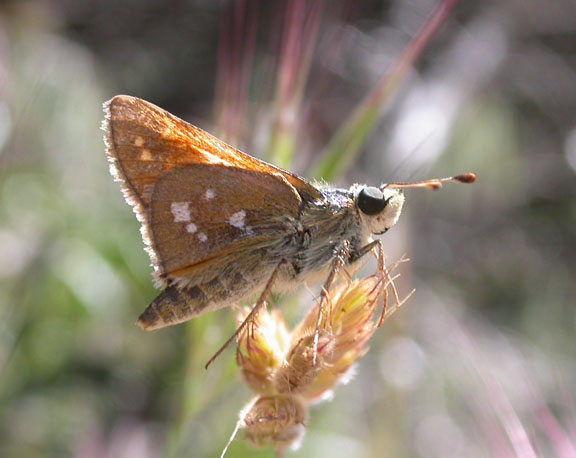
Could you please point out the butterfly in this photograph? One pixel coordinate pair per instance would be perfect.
(221, 226)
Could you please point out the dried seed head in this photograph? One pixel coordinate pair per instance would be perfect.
(301, 366)
(348, 323)
(290, 371)
(261, 350)
(350, 308)
(276, 420)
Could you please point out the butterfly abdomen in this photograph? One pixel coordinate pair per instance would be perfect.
(172, 306)
(177, 303)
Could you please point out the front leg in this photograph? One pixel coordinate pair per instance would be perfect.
(385, 273)
(363, 251)
(337, 263)
(382, 270)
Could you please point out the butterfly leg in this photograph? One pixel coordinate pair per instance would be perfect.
(342, 254)
(337, 264)
(261, 302)
(339, 260)
(384, 272)
(363, 251)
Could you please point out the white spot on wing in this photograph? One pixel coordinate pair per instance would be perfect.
(202, 237)
(237, 219)
(191, 227)
(209, 194)
(145, 155)
(180, 211)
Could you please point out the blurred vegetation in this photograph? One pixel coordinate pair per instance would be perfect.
(480, 362)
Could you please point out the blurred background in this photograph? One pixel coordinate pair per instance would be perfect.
(481, 361)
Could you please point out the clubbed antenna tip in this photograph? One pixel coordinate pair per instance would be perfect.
(466, 178)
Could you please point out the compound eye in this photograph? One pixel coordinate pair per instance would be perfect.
(371, 201)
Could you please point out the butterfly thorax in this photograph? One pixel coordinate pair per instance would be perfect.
(324, 225)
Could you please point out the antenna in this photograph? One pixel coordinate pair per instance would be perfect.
(433, 184)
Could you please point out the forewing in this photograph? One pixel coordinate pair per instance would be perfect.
(144, 141)
(204, 217)
(145, 144)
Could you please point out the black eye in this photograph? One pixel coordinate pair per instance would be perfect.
(371, 201)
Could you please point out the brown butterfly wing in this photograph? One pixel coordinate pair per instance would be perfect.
(203, 217)
(147, 145)
(144, 141)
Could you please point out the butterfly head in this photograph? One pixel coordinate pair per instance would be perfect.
(379, 208)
